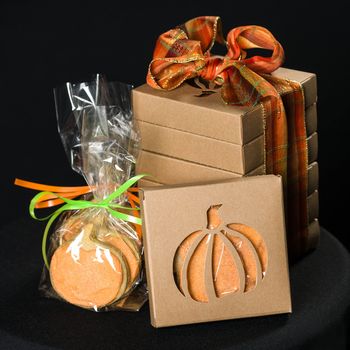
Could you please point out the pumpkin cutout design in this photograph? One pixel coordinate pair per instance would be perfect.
(94, 270)
(221, 260)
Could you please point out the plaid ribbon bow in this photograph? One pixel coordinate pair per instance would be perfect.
(184, 53)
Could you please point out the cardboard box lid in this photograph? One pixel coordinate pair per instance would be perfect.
(182, 109)
(202, 150)
(169, 170)
(172, 213)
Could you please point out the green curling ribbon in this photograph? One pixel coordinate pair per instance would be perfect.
(72, 204)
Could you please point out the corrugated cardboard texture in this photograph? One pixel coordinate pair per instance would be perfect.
(167, 170)
(170, 214)
(183, 110)
(202, 150)
(312, 145)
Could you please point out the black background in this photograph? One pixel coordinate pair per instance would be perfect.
(45, 45)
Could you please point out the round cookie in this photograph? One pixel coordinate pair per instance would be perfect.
(91, 279)
(88, 274)
(130, 252)
(70, 228)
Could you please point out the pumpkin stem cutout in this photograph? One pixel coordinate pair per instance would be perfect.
(221, 260)
(214, 220)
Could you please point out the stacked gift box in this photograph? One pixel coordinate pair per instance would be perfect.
(189, 135)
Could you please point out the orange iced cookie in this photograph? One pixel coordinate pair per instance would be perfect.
(247, 259)
(180, 258)
(257, 241)
(225, 272)
(130, 252)
(228, 253)
(196, 272)
(88, 274)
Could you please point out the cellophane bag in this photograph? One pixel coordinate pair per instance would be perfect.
(95, 258)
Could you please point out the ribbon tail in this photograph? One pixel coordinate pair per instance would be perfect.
(123, 188)
(45, 235)
(50, 188)
(125, 217)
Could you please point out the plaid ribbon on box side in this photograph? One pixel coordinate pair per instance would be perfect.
(184, 52)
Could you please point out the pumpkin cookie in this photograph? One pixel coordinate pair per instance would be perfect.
(129, 250)
(247, 259)
(224, 263)
(257, 241)
(70, 228)
(87, 274)
(180, 257)
(225, 272)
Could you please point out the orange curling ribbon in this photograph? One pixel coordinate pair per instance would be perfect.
(70, 192)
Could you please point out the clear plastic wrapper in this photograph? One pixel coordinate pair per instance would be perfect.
(96, 258)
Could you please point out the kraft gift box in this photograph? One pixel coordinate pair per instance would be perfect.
(215, 251)
(188, 139)
(240, 159)
(183, 110)
(203, 130)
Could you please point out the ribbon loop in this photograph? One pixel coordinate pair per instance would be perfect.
(184, 53)
(46, 198)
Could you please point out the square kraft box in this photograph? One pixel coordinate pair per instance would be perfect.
(196, 274)
(171, 171)
(203, 150)
(208, 116)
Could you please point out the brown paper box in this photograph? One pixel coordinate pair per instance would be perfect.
(311, 119)
(183, 110)
(312, 172)
(167, 170)
(307, 80)
(148, 183)
(171, 171)
(313, 207)
(171, 214)
(312, 145)
(202, 150)
(210, 152)
(312, 201)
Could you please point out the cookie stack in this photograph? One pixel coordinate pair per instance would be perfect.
(96, 263)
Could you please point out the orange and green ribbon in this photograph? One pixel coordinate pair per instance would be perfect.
(47, 199)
